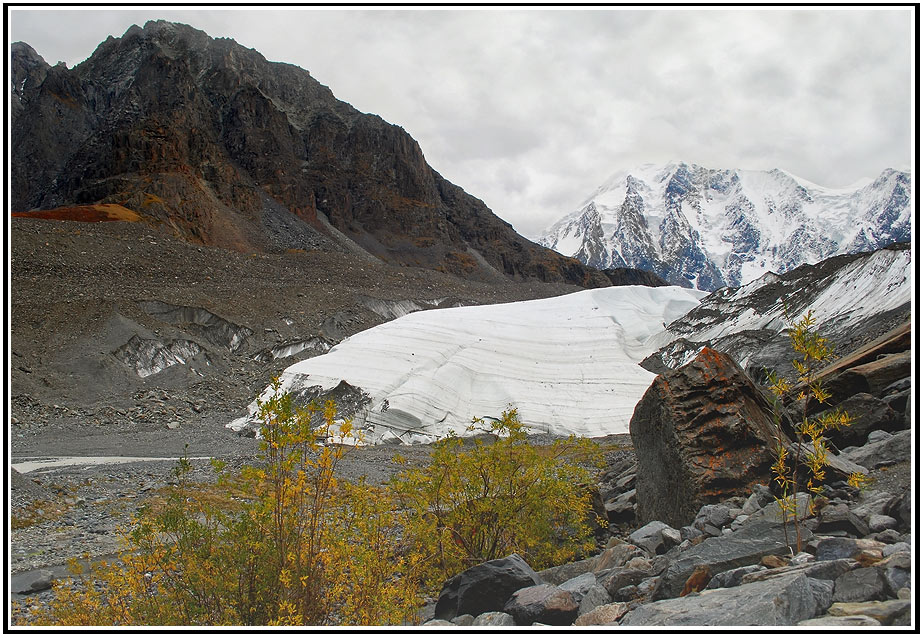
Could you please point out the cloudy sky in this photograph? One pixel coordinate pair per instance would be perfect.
(531, 110)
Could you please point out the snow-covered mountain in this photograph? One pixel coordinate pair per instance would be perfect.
(569, 364)
(709, 228)
(854, 299)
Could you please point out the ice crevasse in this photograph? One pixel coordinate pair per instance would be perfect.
(569, 364)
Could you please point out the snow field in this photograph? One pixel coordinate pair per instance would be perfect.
(568, 364)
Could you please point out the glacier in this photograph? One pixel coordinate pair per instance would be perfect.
(569, 364)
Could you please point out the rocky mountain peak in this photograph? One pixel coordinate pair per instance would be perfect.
(226, 148)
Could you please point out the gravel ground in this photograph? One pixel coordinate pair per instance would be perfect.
(81, 291)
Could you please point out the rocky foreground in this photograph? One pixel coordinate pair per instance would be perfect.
(726, 558)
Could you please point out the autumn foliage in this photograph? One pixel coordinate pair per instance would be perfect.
(288, 543)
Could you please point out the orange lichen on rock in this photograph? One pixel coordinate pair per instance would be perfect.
(94, 213)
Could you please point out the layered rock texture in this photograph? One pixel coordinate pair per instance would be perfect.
(710, 228)
(225, 148)
(702, 433)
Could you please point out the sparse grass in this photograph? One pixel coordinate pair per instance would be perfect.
(37, 512)
(94, 213)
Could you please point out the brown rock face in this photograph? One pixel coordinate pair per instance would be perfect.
(228, 149)
(702, 433)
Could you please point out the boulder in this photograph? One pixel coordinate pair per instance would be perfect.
(780, 601)
(732, 577)
(651, 537)
(546, 604)
(561, 573)
(619, 578)
(887, 612)
(867, 415)
(587, 592)
(820, 570)
(602, 615)
(876, 376)
(840, 621)
(899, 508)
(494, 619)
(484, 587)
(622, 508)
(616, 556)
(35, 582)
(835, 548)
(859, 585)
(702, 433)
(746, 546)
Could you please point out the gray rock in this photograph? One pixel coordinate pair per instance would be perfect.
(671, 537)
(888, 612)
(438, 622)
(877, 435)
(899, 508)
(859, 585)
(717, 515)
(840, 621)
(484, 587)
(821, 570)
(887, 536)
(616, 556)
(586, 592)
(802, 558)
(546, 604)
(622, 508)
(881, 522)
(494, 619)
(602, 615)
(40, 580)
(620, 577)
(888, 550)
(689, 532)
(732, 577)
(823, 591)
(464, 620)
(782, 601)
(595, 597)
(579, 585)
(627, 593)
(746, 546)
(868, 414)
(649, 537)
(895, 449)
(562, 573)
(896, 579)
(772, 511)
(834, 548)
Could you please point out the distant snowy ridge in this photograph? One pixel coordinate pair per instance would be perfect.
(852, 297)
(710, 228)
(569, 364)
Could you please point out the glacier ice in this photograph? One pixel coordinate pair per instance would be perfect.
(568, 364)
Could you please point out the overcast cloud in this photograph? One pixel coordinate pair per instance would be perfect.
(531, 110)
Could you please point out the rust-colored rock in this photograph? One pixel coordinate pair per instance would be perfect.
(702, 433)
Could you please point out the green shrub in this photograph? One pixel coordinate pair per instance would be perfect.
(479, 500)
(803, 465)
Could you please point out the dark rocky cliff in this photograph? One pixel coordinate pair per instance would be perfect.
(229, 149)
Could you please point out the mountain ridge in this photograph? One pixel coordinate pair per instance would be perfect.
(710, 228)
(225, 148)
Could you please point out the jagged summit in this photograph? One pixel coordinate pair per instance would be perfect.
(710, 228)
(225, 148)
